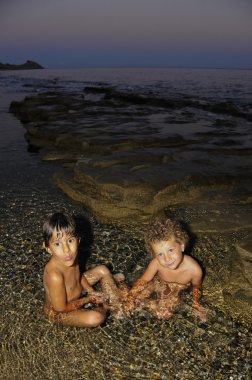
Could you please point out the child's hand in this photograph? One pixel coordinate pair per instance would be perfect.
(201, 312)
(97, 297)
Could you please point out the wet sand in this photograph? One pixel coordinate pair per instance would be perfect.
(141, 347)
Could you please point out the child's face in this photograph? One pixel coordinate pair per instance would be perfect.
(63, 247)
(169, 253)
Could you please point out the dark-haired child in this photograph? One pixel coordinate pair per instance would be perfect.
(63, 283)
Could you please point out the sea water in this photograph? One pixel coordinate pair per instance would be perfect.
(225, 84)
(225, 133)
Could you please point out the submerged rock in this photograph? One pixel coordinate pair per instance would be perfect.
(129, 155)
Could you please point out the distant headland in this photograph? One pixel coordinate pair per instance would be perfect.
(28, 65)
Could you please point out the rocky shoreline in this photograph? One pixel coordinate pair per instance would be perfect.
(217, 210)
(121, 177)
(126, 181)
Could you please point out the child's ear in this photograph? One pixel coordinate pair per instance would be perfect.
(182, 247)
(46, 248)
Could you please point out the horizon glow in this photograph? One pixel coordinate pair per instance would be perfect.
(60, 33)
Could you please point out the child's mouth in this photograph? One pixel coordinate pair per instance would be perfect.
(69, 258)
(170, 264)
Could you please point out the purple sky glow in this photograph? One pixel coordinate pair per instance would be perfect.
(132, 33)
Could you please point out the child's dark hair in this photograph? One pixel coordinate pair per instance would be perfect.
(164, 229)
(62, 223)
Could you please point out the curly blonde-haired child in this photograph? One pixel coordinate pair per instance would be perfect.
(169, 272)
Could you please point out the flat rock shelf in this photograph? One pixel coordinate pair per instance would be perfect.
(217, 209)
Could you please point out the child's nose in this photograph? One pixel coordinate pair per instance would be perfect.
(167, 256)
(66, 248)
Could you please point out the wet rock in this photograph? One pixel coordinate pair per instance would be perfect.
(244, 247)
(187, 158)
(121, 193)
(140, 347)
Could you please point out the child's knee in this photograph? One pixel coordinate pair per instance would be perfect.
(103, 270)
(95, 319)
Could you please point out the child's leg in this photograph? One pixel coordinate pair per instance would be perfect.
(95, 274)
(78, 318)
(102, 274)
(167, 300)
(123, 288)
(161, 309)
(140, 291)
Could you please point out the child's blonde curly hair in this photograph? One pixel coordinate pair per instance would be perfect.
(161, 228)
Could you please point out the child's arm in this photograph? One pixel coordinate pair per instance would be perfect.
(140, 284)
(149, 272)
(199, 310)
(74, 305)
(146, 277)
(196, 296)
(58, 296)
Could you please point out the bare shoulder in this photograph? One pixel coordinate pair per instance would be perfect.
(192, 265)
(154, 263)
(52, 275)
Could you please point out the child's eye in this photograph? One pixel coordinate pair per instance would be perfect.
(160, 254)
(171, 250)
(57, 244)
(71, 240)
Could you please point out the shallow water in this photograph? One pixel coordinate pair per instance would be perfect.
(199, 120)
(141, 347)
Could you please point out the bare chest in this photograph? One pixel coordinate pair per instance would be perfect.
(73, 284)
(180, 276)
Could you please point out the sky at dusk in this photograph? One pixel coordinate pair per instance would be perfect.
(127, 33)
